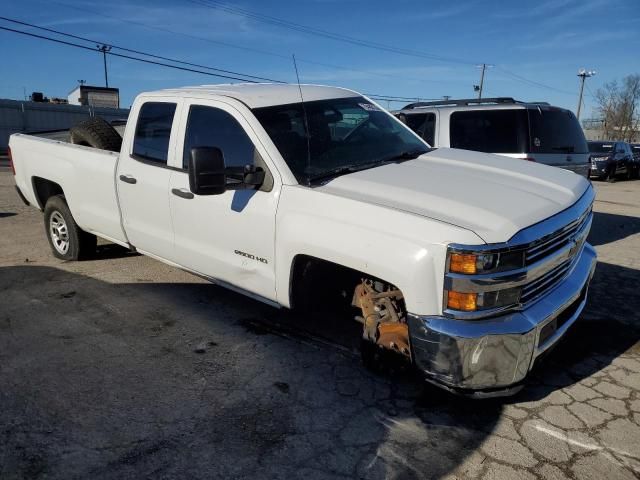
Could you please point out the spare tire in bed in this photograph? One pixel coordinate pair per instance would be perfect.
(96, 132)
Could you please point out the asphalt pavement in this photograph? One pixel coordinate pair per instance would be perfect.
(123, 367)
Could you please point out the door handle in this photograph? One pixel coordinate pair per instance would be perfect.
(128, 179)
(182, 193)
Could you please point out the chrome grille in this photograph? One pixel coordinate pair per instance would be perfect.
(546, 253)
(573, 235)
(555, 241)
(546, 282)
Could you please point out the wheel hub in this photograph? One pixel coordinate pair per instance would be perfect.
(59, 232)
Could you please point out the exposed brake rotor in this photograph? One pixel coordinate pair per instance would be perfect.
(383, 315)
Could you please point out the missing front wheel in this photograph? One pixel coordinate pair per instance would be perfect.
(385, 333)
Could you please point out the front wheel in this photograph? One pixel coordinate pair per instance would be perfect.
(67, 240)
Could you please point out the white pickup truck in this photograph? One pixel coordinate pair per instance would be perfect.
(466, 264)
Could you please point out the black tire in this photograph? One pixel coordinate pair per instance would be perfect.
(67, 240)
(96, 132)
(610, 176)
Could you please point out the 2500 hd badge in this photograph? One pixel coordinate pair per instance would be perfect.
(251, 256)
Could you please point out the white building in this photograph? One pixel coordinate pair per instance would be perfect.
(95, 96)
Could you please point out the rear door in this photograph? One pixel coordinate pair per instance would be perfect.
(143, 178)
(557, 139)
(228, 237)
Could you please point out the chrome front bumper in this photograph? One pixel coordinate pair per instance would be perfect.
(491, 357)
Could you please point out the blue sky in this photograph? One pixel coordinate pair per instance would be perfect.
(529, 43)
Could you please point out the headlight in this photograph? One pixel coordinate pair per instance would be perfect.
(468, 266)
(473, 302)
(479, 263)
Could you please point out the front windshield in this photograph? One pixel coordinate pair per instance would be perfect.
(343, 133)
(595, 147)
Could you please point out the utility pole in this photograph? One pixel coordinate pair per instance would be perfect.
(484, 66)
(583, 74)
(478, 88)
(104, 49)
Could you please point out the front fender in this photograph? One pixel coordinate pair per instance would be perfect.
(404, 249)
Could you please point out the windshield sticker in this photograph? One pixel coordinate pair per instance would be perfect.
(369, 107)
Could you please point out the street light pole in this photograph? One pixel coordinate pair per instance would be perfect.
(105, 49)
(583, 74)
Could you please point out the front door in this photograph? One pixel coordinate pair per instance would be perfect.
(228, 237)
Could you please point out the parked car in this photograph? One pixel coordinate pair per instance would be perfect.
(469, 265)
(635, 149)
(533, 131)
(609, 159)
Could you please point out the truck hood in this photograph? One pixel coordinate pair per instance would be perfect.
(493, 196)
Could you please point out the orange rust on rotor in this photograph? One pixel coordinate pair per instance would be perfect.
(384, 323)
(394, 336)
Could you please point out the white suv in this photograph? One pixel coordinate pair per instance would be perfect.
(529, 131)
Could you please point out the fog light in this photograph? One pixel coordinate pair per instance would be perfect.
(465, 302)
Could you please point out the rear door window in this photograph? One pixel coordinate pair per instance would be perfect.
(555, 130)
(491, 131)
(424, 124)
(153, 131)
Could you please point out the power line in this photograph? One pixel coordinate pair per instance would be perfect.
(152, 62)
(323, 33)
(144, 60)
(214, 4)
(241, 47)
(533, 82)
(138, 52)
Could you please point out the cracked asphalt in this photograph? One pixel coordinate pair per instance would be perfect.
(122, 367)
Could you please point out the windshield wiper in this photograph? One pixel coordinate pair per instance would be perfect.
(408, 155)
(345, 169)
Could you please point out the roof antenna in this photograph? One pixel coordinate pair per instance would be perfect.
(306, 123)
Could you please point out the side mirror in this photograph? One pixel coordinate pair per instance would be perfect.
(244, 178)
(207, 171)
(208, 174)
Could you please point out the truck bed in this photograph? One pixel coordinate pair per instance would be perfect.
(86, 175)
(63, 135)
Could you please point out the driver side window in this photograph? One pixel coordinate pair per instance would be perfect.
(213, 127)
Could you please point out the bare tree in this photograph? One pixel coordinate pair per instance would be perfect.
(619, 108)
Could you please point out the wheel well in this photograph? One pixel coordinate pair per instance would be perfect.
(314, 281)
(45, 189)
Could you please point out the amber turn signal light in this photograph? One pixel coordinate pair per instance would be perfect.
(465, 302)
(462, 263)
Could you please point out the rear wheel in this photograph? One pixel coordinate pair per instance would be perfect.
(67, 240)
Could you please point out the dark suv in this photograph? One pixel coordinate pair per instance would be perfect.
(609, 159)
